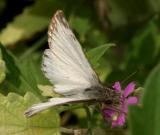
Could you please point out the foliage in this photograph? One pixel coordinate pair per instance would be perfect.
(134, 28)
(13, 121)
(147, 116)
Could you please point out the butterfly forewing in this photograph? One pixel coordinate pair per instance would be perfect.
(64, 63)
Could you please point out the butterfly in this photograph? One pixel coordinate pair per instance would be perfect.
(67, 68)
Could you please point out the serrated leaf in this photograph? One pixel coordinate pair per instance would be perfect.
(48, 91)
(13, 121)
(96, 53)
(145, 120)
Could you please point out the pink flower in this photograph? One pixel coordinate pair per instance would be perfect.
(118, 117)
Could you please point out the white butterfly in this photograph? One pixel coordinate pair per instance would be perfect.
(67, 68)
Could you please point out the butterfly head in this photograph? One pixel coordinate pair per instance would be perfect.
(115, 110)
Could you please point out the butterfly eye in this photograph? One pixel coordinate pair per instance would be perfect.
(108, 102)
(88, 89)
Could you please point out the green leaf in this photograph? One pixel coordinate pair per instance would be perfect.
(96, 53)
(154, 5)
(123, 12)
(33, 19)
(2, 68)
(2, 5)
(81, 25)
(31, 70)
(145, 120)
(13, 121)
(13, 72)
(145, 41)
(17, 80)
(22, 28)
(47, 91)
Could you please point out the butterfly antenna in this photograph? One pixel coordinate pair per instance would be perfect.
(128, 77)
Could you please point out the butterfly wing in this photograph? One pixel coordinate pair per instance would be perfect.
(51, 103)
(67, 68)
(64, 63)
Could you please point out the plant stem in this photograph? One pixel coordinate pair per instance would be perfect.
(73, 131)
(89, 122)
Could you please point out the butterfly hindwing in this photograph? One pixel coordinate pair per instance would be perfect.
(51, 103)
